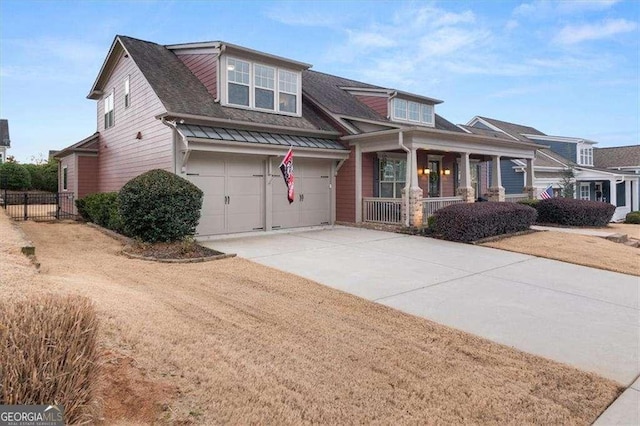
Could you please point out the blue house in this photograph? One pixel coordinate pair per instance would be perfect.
(562, 160)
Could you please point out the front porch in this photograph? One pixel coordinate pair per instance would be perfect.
(404, 176)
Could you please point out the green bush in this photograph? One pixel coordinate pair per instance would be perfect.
(49, 176)
(16, 177)
(531, 203)
(101, 209)
(570, 212)
(35, 172)
(466, 222)
(160, 206)
(633, 217)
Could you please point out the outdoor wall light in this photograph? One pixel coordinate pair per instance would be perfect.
(426, 171)
(447, 172)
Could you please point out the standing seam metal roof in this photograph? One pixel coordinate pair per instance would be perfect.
(265, 138)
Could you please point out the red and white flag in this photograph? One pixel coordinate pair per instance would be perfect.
(286, 167)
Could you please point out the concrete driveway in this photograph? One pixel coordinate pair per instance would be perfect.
(581, 316)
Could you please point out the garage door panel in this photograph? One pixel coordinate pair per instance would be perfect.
(212, 212)
(206, 164)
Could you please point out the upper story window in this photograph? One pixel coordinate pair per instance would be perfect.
(411, 111)
(586, 156)
(108, 111)
(127, 93)
(262, 87)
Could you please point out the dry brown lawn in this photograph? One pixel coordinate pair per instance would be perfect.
(242, 343)
(595, 252)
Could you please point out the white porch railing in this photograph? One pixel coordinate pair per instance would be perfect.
(382, 210)
(514, 198)
(431, 205)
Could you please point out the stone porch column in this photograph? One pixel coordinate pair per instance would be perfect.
(496, 190)
(413, 216)
(529, 188)
(465, 190)
(634, 196)
(358, 155)
(613, 193)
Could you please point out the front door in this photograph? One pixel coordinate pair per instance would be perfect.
(434, 178)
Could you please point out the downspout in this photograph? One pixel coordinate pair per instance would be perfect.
(407, 177)
(187, 151)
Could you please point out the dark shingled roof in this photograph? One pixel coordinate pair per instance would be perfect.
(5, 140)
(619, 156)
(326, 90)
(181, 92)
(486, 132)
(87, 144)
(515, 130)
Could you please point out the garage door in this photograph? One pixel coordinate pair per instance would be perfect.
(233, 188)
(312, 204)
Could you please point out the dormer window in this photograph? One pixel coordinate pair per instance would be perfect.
(262, 87)
(586, 156)
(411, 111)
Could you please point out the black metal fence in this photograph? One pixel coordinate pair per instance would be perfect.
(38, 205)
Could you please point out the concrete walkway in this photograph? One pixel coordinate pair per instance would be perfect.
(581, 231)
(581, 316)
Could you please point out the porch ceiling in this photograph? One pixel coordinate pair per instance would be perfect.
(438, 140)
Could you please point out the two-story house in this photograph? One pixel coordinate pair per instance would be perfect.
(223, 116)
(5, 140)
(560, 157)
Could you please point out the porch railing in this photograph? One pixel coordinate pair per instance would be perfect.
(431, 205)
(382, 210)
(514, 198)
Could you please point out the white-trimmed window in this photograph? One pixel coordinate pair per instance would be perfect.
(239, 81)
(586, 156)
(263, 87)
(585, 191)
(288, 91)
(64, 178)
(392, 178)
(127, 93)
(265, 84)
(108, 111)
(411, 111)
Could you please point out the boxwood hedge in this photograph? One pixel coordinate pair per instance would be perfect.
(468, 222)
(570, 212)
(159, 206)
(633, 217)
(101, 209)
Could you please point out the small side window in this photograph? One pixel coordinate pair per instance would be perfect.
(127, 94)
(64, 178)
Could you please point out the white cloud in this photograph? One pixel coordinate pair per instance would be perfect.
(446, 41)
(290, 14)
(572, 34)
(368, 39)
(547, 8)
(511, 24)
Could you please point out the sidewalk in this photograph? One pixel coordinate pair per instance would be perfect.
(581, 231)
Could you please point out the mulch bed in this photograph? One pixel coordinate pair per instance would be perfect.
(173, 250)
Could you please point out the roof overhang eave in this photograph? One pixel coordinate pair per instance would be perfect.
(225, 122)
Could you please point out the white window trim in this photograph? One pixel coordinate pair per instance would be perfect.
(127, 92)
(106, 105)
(252, 90)
(395, 181)
(224, 86)
(406, 119)
(65, 182)
(585, 185)
(585, 155)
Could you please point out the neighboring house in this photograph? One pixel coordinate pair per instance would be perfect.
(5, 140)
(593, 180)
(223, 116)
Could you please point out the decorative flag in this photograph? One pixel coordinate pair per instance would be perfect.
(546, 194)
(286, 167)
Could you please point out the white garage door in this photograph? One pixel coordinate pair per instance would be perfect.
(233, 188)
(312, 204)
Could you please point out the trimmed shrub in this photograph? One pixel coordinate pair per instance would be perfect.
(35, 172)
(101, 209)
(633, 217)
(570, 212)
(49, 352)
(160, 206)
(531, 203)
(468, 222)
(15, 176)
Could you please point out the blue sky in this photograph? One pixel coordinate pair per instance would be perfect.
(568, 68)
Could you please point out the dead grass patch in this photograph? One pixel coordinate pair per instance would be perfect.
(48, 354)
(244, 343)
(595, 252)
